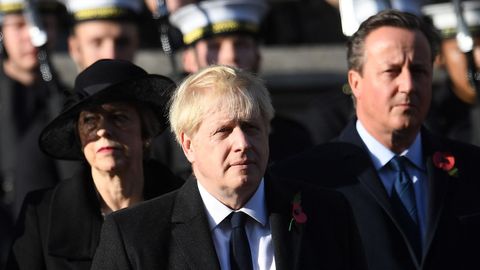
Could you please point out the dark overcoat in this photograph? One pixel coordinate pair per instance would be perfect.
(60, 228)
(453, 210)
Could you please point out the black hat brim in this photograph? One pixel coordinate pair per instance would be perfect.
(59, 138)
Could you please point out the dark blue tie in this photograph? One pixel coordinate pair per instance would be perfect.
(240, 256)
(403, 187)
(403, 203)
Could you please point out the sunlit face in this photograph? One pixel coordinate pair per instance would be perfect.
(456, 64)
(233, 50)
(393, 92)
(228, 156)
(95, 40)
(111, 137)
(16, 39)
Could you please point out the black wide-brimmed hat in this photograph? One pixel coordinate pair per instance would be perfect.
(104, 81)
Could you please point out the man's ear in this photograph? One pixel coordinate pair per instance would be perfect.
(355, 82)
(187, 147)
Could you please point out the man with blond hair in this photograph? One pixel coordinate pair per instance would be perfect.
(228, 215)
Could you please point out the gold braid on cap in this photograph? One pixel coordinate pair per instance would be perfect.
(220, 28)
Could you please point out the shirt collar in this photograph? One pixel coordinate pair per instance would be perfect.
(216, 211)
(381, 155)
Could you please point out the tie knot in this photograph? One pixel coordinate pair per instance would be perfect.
(238, 219)
(398, 163)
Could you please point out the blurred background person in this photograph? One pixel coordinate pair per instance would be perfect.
(456, 107)
(226, 32)
(220, 32)
(108, 123)
(103, 29)
(27, 101)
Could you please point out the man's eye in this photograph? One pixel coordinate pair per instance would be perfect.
(222, 130)
(391, 70)
(250, 128)
(97, 42)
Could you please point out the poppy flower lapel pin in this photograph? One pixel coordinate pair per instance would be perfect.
(446, 162)
(298, 216)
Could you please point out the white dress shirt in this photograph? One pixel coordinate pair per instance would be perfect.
(416, 169)
(257, 228)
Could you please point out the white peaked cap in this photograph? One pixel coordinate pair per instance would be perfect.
(354, 12)
(211, 17)
(92, 9)
(444, 19)
(11, 6)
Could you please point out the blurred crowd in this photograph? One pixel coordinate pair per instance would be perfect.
(203, 33)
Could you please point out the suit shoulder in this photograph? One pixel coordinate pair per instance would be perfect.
(325, 164)
(463, 152)
(38, 198)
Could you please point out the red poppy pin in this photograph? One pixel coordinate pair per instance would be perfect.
(446, 162)
(298, 216)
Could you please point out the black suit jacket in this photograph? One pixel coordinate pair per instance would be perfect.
(60, 228)
(453, 215)
(172, 232)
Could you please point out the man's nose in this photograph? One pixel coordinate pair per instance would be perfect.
(241, 139)
(406, 81)
(109, 50)
(228, 54)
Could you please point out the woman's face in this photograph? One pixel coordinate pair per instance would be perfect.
(111, 136)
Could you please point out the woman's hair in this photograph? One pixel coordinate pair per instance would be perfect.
(216, 88)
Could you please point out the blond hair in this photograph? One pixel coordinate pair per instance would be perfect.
(217, 88)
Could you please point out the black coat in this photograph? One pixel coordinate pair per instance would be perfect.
(453, 213)
(60, 228)
(172, 232)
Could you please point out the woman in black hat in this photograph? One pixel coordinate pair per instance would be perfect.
(108, 122)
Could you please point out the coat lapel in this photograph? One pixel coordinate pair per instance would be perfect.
(438, 186)
(368, 177)
(190, 231)
(287, 243)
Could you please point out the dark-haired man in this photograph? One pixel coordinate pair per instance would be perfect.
(414, 194)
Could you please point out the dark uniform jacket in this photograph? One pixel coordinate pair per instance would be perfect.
(24, 111)
(172, 232)
(60, 228)
(453, 210)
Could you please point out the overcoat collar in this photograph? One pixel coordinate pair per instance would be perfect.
(190, 227)
(439, 184)
(190, 230)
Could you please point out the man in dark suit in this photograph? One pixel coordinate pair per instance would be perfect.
(415, 196)
(220, 116)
